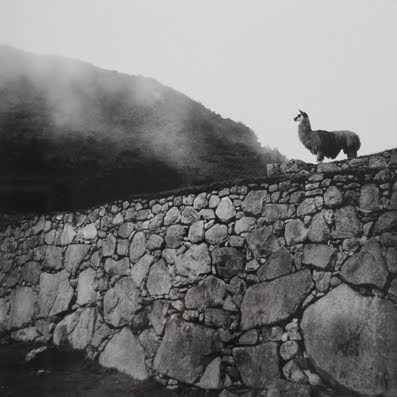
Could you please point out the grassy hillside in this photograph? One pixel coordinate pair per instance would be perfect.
(80, 135)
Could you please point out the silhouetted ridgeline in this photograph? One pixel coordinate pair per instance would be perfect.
(73, 135)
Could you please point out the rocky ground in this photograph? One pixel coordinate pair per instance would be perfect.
(58, 373)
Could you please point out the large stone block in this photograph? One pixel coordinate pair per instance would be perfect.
(278, 264)
(74, 255)
(320, 256)
(159, 279)
(186, 350)
(210, 292)
(195, 262)
(138, 246)
(53, 257)
(55, 293)
(366, 267)
(124, 353)
(263, 241)
(347, 223)
(270, 302)
(295, 232)
(228, 261)
(121, 302)
(352, 340)
(23, 302)
(86, 287)
(225, 210)
(258, 365)
(253, 203)
(76, 329)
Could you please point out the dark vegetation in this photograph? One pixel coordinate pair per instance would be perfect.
(73, 135)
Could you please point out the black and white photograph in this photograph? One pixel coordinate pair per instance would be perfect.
(198, 198)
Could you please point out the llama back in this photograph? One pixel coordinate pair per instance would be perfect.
(349, 140)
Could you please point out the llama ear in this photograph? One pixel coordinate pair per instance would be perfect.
(302, 113)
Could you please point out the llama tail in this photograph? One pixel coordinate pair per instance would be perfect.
(352, 142)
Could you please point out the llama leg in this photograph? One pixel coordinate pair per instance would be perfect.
(320, 157)
(351, 155)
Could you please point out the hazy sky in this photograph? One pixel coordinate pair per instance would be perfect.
(254, 61)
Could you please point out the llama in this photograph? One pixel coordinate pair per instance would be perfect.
(326, 143)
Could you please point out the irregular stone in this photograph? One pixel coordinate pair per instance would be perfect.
(319, 255)
(155, 242)
(366, 267)
(159, 279)
(207, 214)
(289, 350)
(369, 198)
(249, 338)
(156, 222)
(258, 365)
(274, 212)
(295, 232)
(283, 388)
(23, 302)
(216, 234)
(74, 255)
(211, 379)
(138, 246)
(174, 236)
(189, 216)
(306, 207)
(172, 216)
(52, 258)
(150, 342)
(347, 223)
(253, 203)
(158, 316)
(360, 353)
(109, 245)
(244, 224)
(140, 270)
(228, 261)
(225, 210)
(333, 197)
(387, 222)
(124, 353)
(294, 373)
(55, 293)
(210, 292)
(186, 350)
(278, 264)
(26, 335)
(199, 201)
(86, 287)
(89, 232)
(196, 232)
(31, 272)
(68, 234)
(76, 329)
(121, 302)
(392, 290)
(322, 280)
(269, 302)
(120, 268)
(318, 230)
(195, 262)
(263, 241)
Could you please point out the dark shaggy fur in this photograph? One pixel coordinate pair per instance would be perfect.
(327, 143)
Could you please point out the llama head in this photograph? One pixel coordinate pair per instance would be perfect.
(301, 115)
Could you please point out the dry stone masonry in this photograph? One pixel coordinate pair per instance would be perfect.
(286, 286)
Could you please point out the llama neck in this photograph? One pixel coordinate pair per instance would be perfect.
(305, 132)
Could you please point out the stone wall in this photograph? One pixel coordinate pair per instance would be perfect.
(287, 284)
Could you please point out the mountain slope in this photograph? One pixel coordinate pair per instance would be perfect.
(86, 135)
